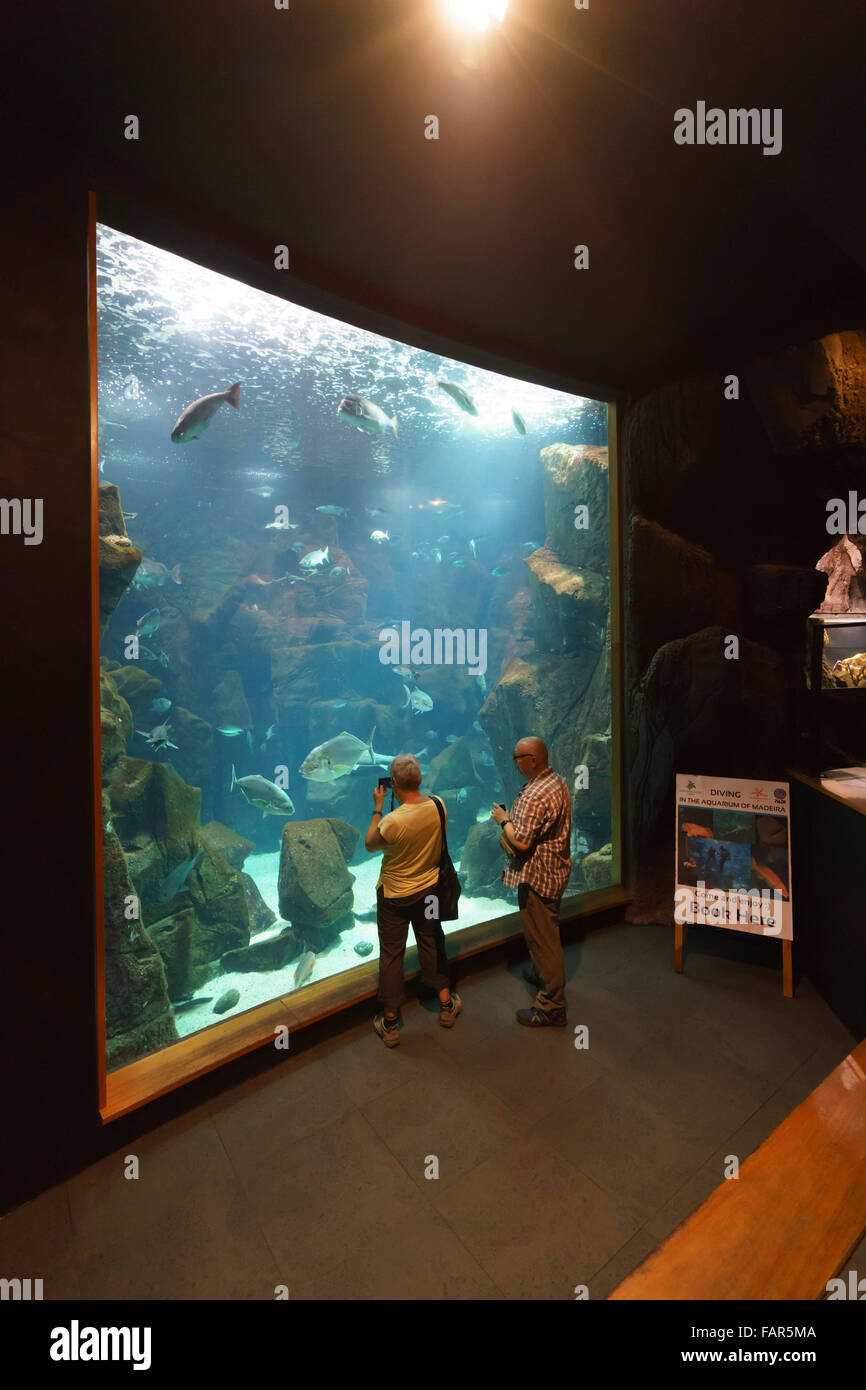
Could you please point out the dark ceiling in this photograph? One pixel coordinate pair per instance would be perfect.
(306, 126)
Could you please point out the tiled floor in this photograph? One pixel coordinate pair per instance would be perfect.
(557, 1165)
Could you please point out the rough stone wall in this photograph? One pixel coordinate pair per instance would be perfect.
(725, 505)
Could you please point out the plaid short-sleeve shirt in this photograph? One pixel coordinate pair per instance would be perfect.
(541, 817)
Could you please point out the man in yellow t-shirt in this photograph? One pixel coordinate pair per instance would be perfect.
(410, 839)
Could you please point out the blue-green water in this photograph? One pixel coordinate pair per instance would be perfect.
(279, 547)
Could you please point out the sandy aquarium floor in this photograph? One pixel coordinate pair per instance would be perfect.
(263, 985)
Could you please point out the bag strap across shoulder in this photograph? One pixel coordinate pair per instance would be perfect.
(440, 809)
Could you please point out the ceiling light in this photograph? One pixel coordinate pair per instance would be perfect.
(478, 12)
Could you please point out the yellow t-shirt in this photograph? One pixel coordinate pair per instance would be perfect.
(410, 860)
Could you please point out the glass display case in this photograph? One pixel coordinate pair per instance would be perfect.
(837, 651)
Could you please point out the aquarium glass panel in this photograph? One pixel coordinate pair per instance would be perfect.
(320, 548)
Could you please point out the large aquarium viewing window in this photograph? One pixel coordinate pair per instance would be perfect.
(319, 548)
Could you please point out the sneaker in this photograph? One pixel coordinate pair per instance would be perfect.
(448, 1012)
(530, 975)
(388, 1030)
(540, 1018)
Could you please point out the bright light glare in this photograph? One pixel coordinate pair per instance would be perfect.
(478, 12)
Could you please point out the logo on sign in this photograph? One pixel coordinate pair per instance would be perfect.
(779, 793)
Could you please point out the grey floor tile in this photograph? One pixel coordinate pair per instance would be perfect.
(175, 1163)
(209, 1247)
(531, 1071)
(628, 1147)
(409, 1255)
(536, 1225)
(706, 1093)
(450, 1118)
(326, 1193)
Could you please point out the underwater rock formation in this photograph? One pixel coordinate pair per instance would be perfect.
(577, 475)
(115, 720)
(136, 685)
(569, 605)
(118, 557)
(261, 916)
(222, 840)
(263, 955)
(157, 818)
(598, 867)
(846, 576)
(453, 767)
(813, 396)
(138, 1017)
(482, 862)
(230, 703)
(315, 887)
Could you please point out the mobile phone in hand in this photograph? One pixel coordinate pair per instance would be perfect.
(387, 783)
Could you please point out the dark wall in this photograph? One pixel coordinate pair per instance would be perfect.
(725, 519)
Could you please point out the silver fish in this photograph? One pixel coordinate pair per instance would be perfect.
(417, 700)
(305, 968)
(196, 418)
(337, 757)
(519, 422)
(458, 395)
(267, 796)
(151, 574)
(314, 558)
(158, 737)
(364, 415)
(148, 623)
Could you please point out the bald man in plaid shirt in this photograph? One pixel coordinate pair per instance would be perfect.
(538, 828)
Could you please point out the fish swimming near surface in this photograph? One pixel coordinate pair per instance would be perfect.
(175, 882)
(196, 418)
(519, 422)
(380, 537)
(261, 491)
(305, 968)
(147, 623)
(417, 700)
(314, 559)
(151, 574)
(332, 511)
(158, 737)
(364, 415)
(270, 799)
(458, 564)
(404, 671)
(457, 394)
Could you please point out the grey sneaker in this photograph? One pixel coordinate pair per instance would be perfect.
(388, 1031)
(448, 1012)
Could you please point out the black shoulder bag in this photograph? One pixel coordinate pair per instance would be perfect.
(448, 888)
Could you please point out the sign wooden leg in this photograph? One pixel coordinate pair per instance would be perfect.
(787, 971)
(678, 947)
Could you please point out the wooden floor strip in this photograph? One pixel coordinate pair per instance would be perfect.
(789, 1222)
